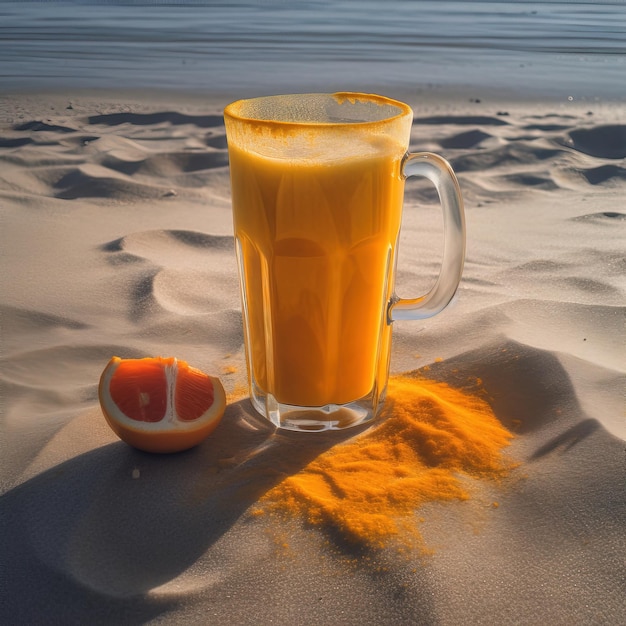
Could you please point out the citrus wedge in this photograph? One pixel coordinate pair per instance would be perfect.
(160, 404)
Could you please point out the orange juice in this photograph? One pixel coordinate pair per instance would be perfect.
(316, 240)
(317, 182)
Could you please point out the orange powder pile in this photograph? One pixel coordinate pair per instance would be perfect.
(367, 490)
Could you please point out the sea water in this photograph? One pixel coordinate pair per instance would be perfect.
(573, 48)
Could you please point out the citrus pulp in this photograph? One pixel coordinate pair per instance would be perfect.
(160, 404)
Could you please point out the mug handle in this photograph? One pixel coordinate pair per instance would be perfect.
(439, 172)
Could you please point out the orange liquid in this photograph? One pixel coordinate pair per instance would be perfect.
(316, 244)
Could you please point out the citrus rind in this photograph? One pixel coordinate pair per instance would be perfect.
(170, 434)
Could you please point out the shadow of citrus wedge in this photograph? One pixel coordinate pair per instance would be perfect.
(121, 522)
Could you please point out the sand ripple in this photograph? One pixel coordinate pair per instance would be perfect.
(192, 276)
(506, 152)
(136, 155)
(139, 159)
(172, 118)
(116, 239)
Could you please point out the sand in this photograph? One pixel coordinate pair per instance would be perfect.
(117, 240)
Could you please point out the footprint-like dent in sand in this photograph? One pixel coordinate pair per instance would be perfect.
(605, 142)
(196, 272)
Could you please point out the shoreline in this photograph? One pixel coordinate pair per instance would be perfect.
(426, 100)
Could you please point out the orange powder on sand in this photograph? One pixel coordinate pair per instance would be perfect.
(367, 490)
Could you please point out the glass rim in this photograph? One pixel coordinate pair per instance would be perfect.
(234, 110)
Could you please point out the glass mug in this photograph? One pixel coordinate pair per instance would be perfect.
(317, 186)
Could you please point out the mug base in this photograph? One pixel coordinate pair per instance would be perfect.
(316, 418)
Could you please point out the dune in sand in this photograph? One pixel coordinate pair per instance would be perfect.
(117, 239)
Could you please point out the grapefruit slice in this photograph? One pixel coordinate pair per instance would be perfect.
(160, 404)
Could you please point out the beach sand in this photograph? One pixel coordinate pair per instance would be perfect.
(117, 240)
